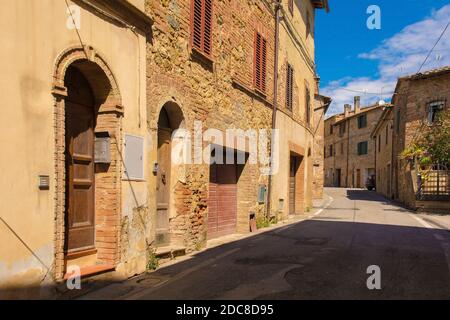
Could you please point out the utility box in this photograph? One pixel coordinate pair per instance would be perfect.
(102, 152)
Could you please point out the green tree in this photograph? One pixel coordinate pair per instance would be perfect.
(431, 145)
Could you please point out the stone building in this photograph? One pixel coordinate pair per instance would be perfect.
(382, 137)
(417, 100)
(349, 150)
(124, 106)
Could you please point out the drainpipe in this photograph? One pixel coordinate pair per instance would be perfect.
(275, 99)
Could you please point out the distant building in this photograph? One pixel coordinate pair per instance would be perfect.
(382, 137)
(349, 150)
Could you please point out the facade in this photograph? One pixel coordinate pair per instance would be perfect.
(104, 92)
(296, 117)
(349, 150)
(417, 99)
(382, 137)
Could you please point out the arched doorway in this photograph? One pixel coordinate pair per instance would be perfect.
(170, 119)
(80, 171)
(88, 107)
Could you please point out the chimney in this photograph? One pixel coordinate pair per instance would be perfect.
(347, 109)
(357, 104)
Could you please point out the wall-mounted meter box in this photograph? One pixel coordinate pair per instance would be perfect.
(102, 148)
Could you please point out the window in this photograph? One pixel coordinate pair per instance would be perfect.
(201, 25)
(362, 121)
(387, 134)
(342, 129)
(379, 143)
(308, 24)
(362, 148)
(291, 7)
(289, 87)
(331, 150)
(331, 129)
(342, 148)
(433, 109)
(397, 122)
(260, 63)
(308, 104)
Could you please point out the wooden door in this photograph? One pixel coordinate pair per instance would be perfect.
(358, 178)
(292, 184)
(163, 187)
(222, 200)
(80, 174)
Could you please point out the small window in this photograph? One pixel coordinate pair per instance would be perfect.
(201, 26)
(342, 148)
(433, 109)
(308, 24)
(308, 104)
(379, 143)
(331, 129)
(331, 150)
(289, 87)
(342, 129)
(387, 134)
(397, 122)
(362, 121)
(291, 7)
(362, 148)
(260, 62)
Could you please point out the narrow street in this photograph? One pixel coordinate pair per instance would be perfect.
(325, 257)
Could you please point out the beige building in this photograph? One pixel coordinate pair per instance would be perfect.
(297, 119)
(382, 136)
(76, 78)
(349, 149)
(101, 95)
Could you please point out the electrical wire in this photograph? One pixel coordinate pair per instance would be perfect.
(432, 49)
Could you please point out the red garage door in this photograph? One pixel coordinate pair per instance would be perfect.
(222, 201)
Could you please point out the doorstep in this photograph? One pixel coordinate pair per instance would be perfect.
(169, 252)
(92, 271)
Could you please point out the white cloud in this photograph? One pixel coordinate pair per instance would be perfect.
(400, 55)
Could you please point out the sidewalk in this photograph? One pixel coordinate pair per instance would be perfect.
(439, 221)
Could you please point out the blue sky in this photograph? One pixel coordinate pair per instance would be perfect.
(349, 56)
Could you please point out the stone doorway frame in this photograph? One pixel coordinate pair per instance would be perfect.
(109, 115)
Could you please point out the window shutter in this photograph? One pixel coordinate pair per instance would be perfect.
(260, 62)
(290, 87)
(202, 25)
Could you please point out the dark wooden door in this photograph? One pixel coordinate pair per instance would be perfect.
(358, 178)
(80, 175)
(292, 184)
(163, 187)
(338, 178)
(222, 200)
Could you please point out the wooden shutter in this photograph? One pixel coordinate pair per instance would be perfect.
(260, 63)
(307, 105)
(289, 87)
(201, 21)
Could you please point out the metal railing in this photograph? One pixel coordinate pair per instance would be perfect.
(435, 186)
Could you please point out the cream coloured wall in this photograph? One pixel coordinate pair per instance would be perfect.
(33, 34)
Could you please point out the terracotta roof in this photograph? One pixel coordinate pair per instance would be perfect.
(362, 111)
(321, 4)
(429, 73)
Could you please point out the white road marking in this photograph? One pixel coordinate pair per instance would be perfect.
(325, 207)
(421, 221)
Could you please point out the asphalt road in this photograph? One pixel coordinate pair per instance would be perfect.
(322, 258)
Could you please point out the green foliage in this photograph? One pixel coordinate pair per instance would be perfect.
(262, 222)
(152, 260)
(431, 145)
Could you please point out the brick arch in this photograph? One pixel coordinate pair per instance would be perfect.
(109, 111)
